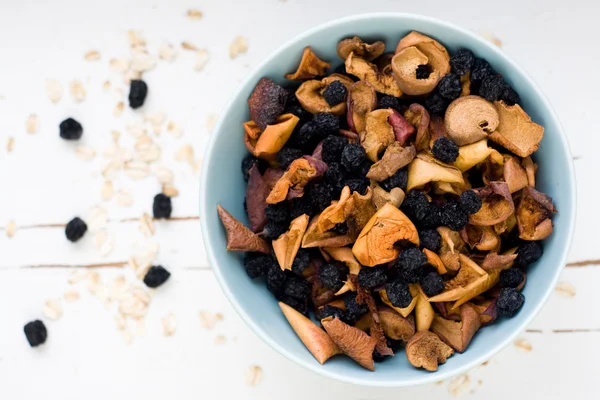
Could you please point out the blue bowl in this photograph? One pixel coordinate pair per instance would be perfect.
(222, 183)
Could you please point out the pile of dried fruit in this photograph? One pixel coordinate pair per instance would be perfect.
(393, 198)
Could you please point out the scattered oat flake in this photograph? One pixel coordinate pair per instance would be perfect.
(524, 345)
(71, 295)
(208, 320)
(211, 120)
(142, 62)
(238, 46)
(52, 309)
(194, 14)
(185, 153)
(128, 77)
(54, 90)
(119, 109)
(188, 46)
(91, 55)
(565, 289)
(220, 339)
(169, 324)
(170, 190)
(163, 174)
(253, 375)
(492, 38)
(156, 118)
(146, 225)
(167, 52)
(458, 385)
(106, 86)
(119, 64)
(127, 336)
(85, 153)
(104, 242)
(124, 198)
(11, 228)
(136, 38)
(32, 123)
(174, 129)
(77, 91)
(97, 219)
(202, 57)
(76, 277)
(107, 190)
(10, 144)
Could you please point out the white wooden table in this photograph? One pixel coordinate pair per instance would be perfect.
(45, 185)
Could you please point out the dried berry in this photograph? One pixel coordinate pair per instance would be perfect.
(327, 123)
(301, 205)
(372, 277)
(296, 287)
(453, 216)
(35, 332)
(70, 129)
(333, 146)
(275, 280)
(509, 302)
(432, 283)
(363, 169)
(528, 253)
(409, 265)
(432, 218)
(436, 103)
(278, 212)
(301, 261)
(511, 278)
(415, 205)
(299, 305)
(357, 185)
(331, 311)
(298, 111)
(387, 101)
(352, 156)
(336, 176)
(138, 90)
(287, 155)
(462, 61)
(156, 276)
(398, 293)
(332, 276)
(399, 179)
(258, 264)
(470, 202)
(510, 96)
(306, 137)
(354, 310)
(248, 162)
(75, 229)
(321, 195)
(430, 239)
(423, 71)
(274, 229)
(492, 87)
(449, 86)
(162, 207)
(445, 150)
(481, 69)
(335, 93)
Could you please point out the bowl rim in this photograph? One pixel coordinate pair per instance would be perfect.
(443, 373)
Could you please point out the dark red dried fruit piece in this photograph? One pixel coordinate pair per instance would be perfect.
(256, 200)
(266, 102)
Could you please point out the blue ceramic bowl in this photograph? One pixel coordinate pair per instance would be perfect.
(222, 183)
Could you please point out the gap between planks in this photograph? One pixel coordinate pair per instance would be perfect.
(121, 220)
(115, 264)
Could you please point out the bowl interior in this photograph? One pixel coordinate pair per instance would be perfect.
(222, 183)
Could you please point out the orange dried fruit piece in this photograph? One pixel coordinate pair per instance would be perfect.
(470, 119)
(482, 238)
(361, 49)
(425, 168)
(352, 341)
(490, 281)
(381, 79)
(292, 182)
(472, 155)
(516, 131)
(451, 246)
(423, 311)
(375, 243)
(266, 102)
(394, 158)
(240, 238)
(426, 350)
(335, 213)
(469, 278)
(310, 95)
(497, 204)
(314, 338)
(494, 261)
(458, 334)
(272, 139)
(394, 325)
(287, 245)
(434, 260)
(310, 66)
(379, 133)
(530, 170)
(419, 117)
(355, 210)
(344, 255)
(382, 197)
(514, 174)
(362, 99)
(405, 312)
(534, 215)
(314, 238)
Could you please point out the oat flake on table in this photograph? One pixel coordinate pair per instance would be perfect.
(124, 198)
(136, 38)
(10, 144)
(253, 375)
(91, 55)
(167, 52)
(85, 153)
(11, 228)
(169, 324)
(52, 309)
(523, 344)
(77, 91)
(118, 110)
(107, 190)
(202, 57)
(188, 46)
(71, 295)
(54, 90)
(459, 385)
(565, 289)
(32, 123)
(170, 190)
(211, 120)
(194, 14)
(238, 46)
(174, 129)
(146, 225)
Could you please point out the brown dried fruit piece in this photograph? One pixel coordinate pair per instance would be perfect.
(395, 326)
(310, 67)
(435, 261)
(375, 329)
(344, 255)
(418, 116)
(266, 144)
(405, 312)
(482, 238)
(295, 178)
(530, 170)
(469, 119)
(352, 341)
(314, 238)
(469, 278)
(361, 49)
(240, 238)
(375, 244)
(534, 215)
(425, 168)
(316, 341)
(353, 209)
(423, 311)
(266, 102)
(458, 334)
(310, 95)
(379, 133)
(417, 49)
(381, 197)
(382, 80)
(497, 204)
(362, 99)
(493, 277)
(426, 350)
(514, 174)
(287, 245)
(256, 199)
(451, 246)
(394, 158)
(516, 131)
(472, 154)
(494, 261)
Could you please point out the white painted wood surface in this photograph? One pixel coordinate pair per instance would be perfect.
(44, 183)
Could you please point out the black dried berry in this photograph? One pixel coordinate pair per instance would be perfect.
(357, 185)
(138, 90)
(480, 70)
(354, 310)
(301, 205)
(415, 205)
(462, 61)
(70, 129)
(409, 265)
(509, 302)
(296, 287)
(331, 311)
(335, 93)
(399, 179)
(398, 293)
(445, 150)
(35, 332)
(247, 163)
(321, 195)
(430, 239)
(306, 137)
(436, 103)
(528, 253)
(327, 123)
(352, 156)
(301, 261)
(333, 146)
(75, 229)
(299, 305)
(432, 283)
(372, 277)
(156, 276)
(511, 278)
(387, 101)
(162, 207)
(363, 169)
(423, 71)
(332, 276)
(340, 228)
(257, 264)
(274, 229)
(432, 218)
(278, 212)
(335, 176)
(453, 216)
(510, 96)
(287, 155)
(449, 86)
(470, 202)
(492, 87)
(275, 280)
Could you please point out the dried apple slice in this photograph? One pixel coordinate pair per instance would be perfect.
(425, 168)
(352, 341)
(491, 280)
(266, 102)
(379, 133)
(395, 326)
(470, 119)
(375, 329)
(418, 116)
(295, 178)
(426, 350)
(344, 255)
(314, 238)
(240, 238)
(405, 312)
(423, 311)
(361, 49)
(514, 174)
(469, 278)
(375, 243)
(394, 197)
(497, 204)
(394, 158)
(256, 199)
(435, 260)
(471, 155)
(534, 215)
(530, 170)
(314, 338)
(362, 99)
(310, 67)
(494, 261)
(482, 238)
(287, 245)
(273, 137)
(458, 334)
(310, 97)
(516, 131)
(451, 246)
(355, 210)
(334, 214)
(369, 72)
